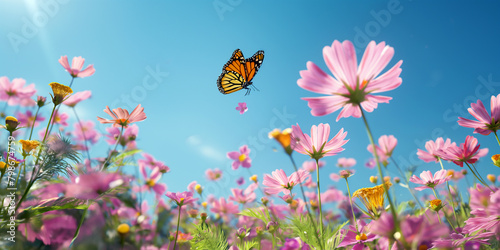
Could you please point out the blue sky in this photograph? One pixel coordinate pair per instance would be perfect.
(450, 59)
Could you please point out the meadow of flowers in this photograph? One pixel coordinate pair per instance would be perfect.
(56, 195)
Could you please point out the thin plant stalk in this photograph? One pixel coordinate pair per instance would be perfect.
(478, 178)
(386, 189)
(451, 196)
(34, 121)
(352, 207)
(304, 197)
(33, 175)
(407, 183)
(319, 200)
(114, 149)
(496, 136)
(177, 230)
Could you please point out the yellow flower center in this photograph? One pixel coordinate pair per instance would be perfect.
(123, 228)
(150, 183)
(491, 178)
(2, 165)
(361, 236)
(253, 178)
(242, 157)
(204, 204)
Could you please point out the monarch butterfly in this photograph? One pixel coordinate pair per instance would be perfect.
(238, 72)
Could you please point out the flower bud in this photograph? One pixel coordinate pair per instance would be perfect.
(264, 200)
(491, 177)
(123, 229)
(198, 188)
(496, 160)
(397, 180)
(272, 226)
(373, 179)
(193, 213)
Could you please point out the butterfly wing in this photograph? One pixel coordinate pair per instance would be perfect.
(252, 65)
(236, 63)
(230, 81)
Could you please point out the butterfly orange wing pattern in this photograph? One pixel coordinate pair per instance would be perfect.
(238, 72)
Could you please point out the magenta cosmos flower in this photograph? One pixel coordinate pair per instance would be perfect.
(152, 163)
(279, 182)
(85, 131)
(242, 107)
(76, 67)
(27, 119)
(14, 93)
(433, 148)
(77, 97)
(317, 145)
(485, 123)
(310, 166)
(151, 181)
(468, 152)
(430, 181)
(356, 238)
(121, 117)
(181, 199)
(352, 86)
(240, 158)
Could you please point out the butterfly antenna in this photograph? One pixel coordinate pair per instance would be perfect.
(255, 87)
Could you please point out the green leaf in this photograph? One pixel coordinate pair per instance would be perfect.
(257, 213)
(47, 205)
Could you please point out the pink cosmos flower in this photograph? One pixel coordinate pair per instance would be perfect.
(240, 158)
(433, 148)
(242, 107)
(430, 181)
(485, 123)
(241, 196)
(26, 119)
(76, 67)
(127, 139)
(121, 117)
(352, 86)
(151, 181)
(152, 163)
(15, 92)
(358, 239)
(223, 208)
(346, 162)
(92, 185)
(213, 175)
(332, 195)
(181, 199)
(85, 131)
(77, 97)
(310, 166)
(385, 147)
(280, 182)
(60, 118)
(55, 228)
(317, 145)
(468, 152)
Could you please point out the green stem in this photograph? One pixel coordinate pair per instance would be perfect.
(497, 137)
(33, 175)
(439, 217)
(305, 201)
(319, 201)
(386, 189)
(34, 121)
(177, 230)
(451, 196)
(80, 225)
(407, 183)
(352, 207)
(480, 180)
(111, 153)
